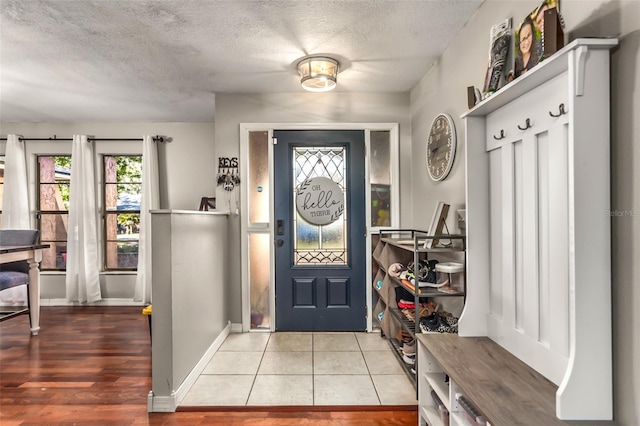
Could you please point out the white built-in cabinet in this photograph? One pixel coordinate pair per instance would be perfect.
(538, 252)
(538, 224)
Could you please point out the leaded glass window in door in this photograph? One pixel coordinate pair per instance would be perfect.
(319, 244)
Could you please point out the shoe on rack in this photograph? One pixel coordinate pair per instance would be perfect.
(409, 359)
(409, 348)
(425, 311)
(403, 336)
(434, 323)
(449, 318)
(409, 314)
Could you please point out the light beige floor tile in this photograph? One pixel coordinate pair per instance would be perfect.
(286, 363)
(294, 342)
(394, 389)
(219, 390)
(245, 342)
(344, 390)
(335, 342)
(344, 368)
(382, 362)
(372, 342)
(234, 363)
(339, 363)
(282, 390)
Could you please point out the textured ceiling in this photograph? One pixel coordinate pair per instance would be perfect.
(164, 60)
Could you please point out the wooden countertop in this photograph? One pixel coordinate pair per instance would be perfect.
(506, 390)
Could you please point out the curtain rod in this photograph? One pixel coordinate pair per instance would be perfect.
(156, 138)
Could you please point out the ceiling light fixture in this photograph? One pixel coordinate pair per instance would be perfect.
(318, 73)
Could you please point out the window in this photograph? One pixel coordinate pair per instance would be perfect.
(380, 173)
(122, 196)
(54, 177)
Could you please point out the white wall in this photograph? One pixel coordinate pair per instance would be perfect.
(443, 89)
(187, 173)
(304, 107)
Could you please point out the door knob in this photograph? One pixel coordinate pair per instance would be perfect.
(279, 242)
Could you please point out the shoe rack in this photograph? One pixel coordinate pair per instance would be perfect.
(404, 246)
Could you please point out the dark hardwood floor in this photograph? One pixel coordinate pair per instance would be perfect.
(92, 365)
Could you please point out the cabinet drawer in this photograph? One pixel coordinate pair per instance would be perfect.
(529, 113)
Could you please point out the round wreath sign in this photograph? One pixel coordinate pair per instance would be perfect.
(320, 201)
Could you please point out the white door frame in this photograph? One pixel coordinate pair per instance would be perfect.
(246, 227)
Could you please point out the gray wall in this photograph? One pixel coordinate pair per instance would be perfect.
(185, 176)
(189, 295)
(443, 89)
(332, 107)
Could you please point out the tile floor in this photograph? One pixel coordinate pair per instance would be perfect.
(254, 369)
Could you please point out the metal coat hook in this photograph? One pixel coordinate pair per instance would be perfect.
(527, 125)
(561, 111)
(502, 136)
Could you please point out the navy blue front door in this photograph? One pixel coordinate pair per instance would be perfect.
(320, 268)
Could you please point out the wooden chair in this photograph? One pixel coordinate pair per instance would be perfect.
(15, 274)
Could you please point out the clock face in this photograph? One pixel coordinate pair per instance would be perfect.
(441, 147)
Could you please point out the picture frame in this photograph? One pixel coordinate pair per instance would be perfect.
(500, 41)
(207, 203)
(530, 46)
(437, 224)
(553, 33)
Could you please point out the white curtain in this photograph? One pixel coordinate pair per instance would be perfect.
(15, 209)
(82, 278)
(150, 201)
(15, 204)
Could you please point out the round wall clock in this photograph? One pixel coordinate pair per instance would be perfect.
(441, 147)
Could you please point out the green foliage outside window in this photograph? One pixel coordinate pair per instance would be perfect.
(129, 170)
(63, 162)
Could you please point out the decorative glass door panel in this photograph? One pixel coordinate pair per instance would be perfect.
(316, 243)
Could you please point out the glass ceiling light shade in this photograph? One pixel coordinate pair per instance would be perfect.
(318, 73)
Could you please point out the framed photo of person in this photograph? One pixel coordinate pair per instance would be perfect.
(529, 38)
(437, 224)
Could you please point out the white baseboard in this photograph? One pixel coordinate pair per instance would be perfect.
(103, 302)
(163, 404)
(236, 327)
